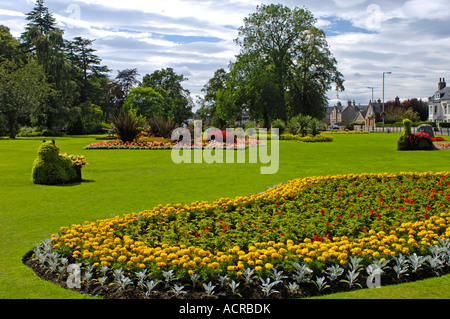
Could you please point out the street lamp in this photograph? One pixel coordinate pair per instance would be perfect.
(369, 87)
(383, 114)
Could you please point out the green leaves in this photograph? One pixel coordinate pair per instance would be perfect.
(285, 66)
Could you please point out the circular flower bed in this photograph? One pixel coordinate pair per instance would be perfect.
(304, 237)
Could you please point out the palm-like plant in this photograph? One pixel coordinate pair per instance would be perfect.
(299, 124)
(126, 126)
(162, 127)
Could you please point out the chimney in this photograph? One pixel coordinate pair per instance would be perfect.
(441, 84)
(349, 103)
(354, 103)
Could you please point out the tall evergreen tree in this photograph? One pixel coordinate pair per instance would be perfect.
(45, 42)
(86, 65)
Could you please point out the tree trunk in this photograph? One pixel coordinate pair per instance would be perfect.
(11, 119)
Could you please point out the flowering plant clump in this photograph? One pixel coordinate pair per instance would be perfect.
(438, 139)
(313, 223)
(78, 160)
(420, 141)
(414, 141)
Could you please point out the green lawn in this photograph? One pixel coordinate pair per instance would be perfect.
(124, 181)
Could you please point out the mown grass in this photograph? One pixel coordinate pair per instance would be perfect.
(124, 181)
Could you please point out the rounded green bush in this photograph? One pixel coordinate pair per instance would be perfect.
(50, 168)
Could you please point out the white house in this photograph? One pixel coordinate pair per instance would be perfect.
(439, 104)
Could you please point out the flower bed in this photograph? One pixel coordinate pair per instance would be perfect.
(118, 144)
(442, 146)
(347, 132)
(156, 145)
(306, 237)
(305, 139)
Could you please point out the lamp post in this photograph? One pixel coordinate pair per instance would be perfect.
(369, 87)
(383, 114)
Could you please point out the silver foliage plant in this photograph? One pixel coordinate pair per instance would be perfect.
(437, 259)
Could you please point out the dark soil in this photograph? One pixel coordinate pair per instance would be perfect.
(244, 291)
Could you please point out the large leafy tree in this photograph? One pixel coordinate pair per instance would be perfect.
(146, 102)
(45, 42)
(9, 47)
(22, 90)
(178, 103)
(282, 52)
(208, 108)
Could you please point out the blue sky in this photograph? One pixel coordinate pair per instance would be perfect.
(410, 38)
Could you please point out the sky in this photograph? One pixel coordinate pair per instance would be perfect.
(409, 38)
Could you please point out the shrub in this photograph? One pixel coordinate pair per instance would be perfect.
(50, 168)
(28, 132)
(407, 125)
(314, 127)
(162, 127)
(249, 124)
(127, 126)
(414, 141)
(280, 125)
(298, 125)
(421, 141)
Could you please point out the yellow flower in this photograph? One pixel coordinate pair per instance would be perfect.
(268, 266)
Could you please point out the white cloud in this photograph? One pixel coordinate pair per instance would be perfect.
(195, 37)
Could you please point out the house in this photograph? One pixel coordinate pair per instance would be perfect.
(374, 110)
(439, 103)
(344, 115)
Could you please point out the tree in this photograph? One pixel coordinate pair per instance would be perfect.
(178, 103)
(9, 47)
(208, 108)
(86, 64)
(145, 101)
(418, 106)
(292, 59)
(45, 42)
(120, 87)
(22, 90)
(412, 109)
(127, 79)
